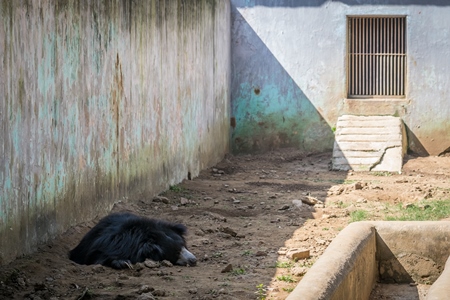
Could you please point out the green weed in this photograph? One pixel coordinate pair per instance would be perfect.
(286, 278)
(176, 188)
(284, 264)
(423, 211)
(238, 271)
(358, 215)
(261, 292)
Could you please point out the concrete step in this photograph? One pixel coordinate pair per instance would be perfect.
(369, 143)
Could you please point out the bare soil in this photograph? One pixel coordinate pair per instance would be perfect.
(240, 216)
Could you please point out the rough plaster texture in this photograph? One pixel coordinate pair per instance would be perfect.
(365, 252)
(101, 98)
(289, 72)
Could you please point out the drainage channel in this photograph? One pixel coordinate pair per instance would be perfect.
(399, 292)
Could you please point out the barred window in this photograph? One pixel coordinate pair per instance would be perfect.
(376, 56)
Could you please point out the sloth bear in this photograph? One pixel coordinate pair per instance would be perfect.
(122, 239)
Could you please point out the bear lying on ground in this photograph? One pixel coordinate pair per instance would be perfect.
(122, 239)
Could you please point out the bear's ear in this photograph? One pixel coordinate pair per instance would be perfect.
(179, 229)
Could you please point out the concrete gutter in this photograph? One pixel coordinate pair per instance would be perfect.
(348, 264)
(365, 252)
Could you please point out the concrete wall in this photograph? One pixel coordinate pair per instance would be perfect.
(289, 72)
(101, 100)
(366, 252)
(346, 270)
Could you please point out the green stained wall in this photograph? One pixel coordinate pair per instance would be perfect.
(101, 100)
(289, 73)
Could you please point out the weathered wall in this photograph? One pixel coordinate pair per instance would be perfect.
(289, 72)
(101, 99)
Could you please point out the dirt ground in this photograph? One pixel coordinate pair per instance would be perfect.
(242, 218)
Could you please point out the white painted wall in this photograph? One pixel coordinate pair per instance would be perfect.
(308, 39)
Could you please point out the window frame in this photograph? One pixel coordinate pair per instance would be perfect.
(404, 60)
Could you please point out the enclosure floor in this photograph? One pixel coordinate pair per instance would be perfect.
(399, 292)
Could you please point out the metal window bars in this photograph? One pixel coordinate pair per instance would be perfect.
(376, 56)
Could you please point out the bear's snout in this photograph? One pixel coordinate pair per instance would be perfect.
(186, 258)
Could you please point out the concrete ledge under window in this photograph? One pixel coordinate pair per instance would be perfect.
(366, 252)
(375, 106)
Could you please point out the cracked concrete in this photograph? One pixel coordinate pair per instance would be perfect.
(369, 143)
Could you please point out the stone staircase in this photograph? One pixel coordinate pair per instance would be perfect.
(369, 143)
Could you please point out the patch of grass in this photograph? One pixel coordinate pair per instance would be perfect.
(286, 278)
(247, 253)
(342, 204)
(175, 188)
(261, 292)
(423, 211)
(349, 181)
(326, 228)
(385, 173)
(238, 271)
(288, 289)
(284, 264)
(358, 215)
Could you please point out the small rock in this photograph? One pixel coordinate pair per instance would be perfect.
(358, 186)
(145, 289)
(174, 207)
(261, 253)
(228, 230)
(207, 198)
(161, 199)
(297, 203)
(227, 269)
(193, 291)
(146, 296)
(184, 201)
(166, 263)
(297, 253)
(299, 271)
(151, 264)
(320, 241)
(310, 200)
